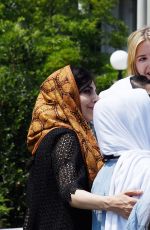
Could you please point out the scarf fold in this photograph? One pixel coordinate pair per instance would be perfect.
(58, 106)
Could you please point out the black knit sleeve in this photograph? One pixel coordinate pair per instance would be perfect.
(68, 165)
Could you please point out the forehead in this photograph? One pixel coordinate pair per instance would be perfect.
(89, 86)
(143, 48)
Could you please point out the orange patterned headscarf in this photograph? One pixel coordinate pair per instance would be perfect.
(57, 106)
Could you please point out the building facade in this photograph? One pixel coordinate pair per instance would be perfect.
(135, 13)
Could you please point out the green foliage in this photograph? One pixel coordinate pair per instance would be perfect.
(36, 38)
(105, 80)
(4, 210)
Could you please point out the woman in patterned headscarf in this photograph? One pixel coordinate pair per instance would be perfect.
(66, 157)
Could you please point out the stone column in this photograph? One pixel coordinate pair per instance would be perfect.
(142, 13)
(148, 12)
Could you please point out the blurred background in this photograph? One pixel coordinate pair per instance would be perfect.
(36, 38)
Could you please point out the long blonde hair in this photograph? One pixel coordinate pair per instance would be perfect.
(134, 40)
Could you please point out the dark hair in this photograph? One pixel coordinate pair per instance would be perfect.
(82, 76)
(139, 81)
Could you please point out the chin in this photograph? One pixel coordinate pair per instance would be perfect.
(89, 119)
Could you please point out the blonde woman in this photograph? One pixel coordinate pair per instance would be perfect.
(138, 67)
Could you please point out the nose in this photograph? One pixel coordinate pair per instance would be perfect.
(148, 67)
(95, 97)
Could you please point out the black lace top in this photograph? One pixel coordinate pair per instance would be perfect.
(58, 170)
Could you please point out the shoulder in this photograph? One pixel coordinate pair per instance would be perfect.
(59, 134)
(56, 138)
(62, 132)
(117, 87)
(123, 83)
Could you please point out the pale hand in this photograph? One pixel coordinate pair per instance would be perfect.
(123, 203)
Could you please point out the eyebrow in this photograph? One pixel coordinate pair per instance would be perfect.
(88, 86)
(142, 55)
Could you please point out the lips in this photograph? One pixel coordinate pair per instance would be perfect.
(91, 108)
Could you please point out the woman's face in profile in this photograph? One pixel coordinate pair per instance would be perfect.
(142, 59)
(88, 98)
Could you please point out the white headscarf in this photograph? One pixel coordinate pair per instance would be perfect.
(122, 84)
(121, 120)
(122, 124)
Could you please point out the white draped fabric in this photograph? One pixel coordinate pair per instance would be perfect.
(122, 123)
(122, 84)
(132, 171)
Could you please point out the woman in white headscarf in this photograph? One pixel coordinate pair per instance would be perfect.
(122, 125)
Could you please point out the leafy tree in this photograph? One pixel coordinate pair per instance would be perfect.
(105, 80)
(36, 38)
